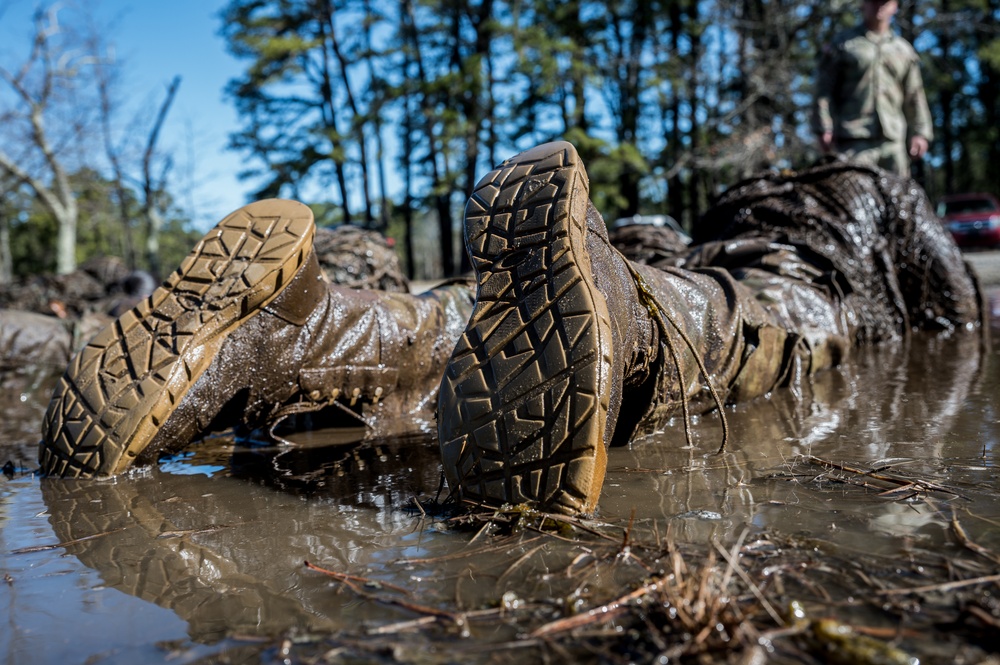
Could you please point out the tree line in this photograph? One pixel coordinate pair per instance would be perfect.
(385, 114)
(668, 101)
(79, 178)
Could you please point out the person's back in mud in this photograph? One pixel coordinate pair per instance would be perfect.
(70, 296)
(359, 259)
(44, 318)
(882, 251)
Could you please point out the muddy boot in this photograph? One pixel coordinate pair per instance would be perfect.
(246, 332)
(571, 348)
(533, 389)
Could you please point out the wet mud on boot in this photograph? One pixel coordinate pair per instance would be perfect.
(524, 400)
(116, 400)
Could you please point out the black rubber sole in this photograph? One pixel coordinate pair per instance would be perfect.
(524, 398)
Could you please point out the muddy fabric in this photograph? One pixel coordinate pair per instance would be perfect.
(658, 246)
(27, 338)
(356, 357)
(634, 333)
(359, 259)
(873, 235)
(379, 354)
(102, 284)
(791, 272)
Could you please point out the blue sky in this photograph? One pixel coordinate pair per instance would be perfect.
(155, 41)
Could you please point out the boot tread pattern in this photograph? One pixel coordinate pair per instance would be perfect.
(126, 381)
(521, 404)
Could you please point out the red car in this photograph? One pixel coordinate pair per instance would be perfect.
(973, 219)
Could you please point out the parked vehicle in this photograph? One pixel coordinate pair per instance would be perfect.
(972, 219)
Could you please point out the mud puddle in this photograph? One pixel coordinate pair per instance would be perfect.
(859, 521)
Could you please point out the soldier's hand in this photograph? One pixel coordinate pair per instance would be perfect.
(826, 141)
(918, 147)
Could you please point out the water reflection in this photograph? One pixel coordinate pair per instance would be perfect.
(227, 555)
(224, 548)
(897, 408)
(24, 395)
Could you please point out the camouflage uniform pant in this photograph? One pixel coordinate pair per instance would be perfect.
(889, 155)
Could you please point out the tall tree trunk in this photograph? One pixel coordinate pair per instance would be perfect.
(152, 186)
(376, 86)
(472, 70)
(6, 260)
(104, 83)
(329, 110)
(675, 184)
(358, 127)
(693, 103)
(441, 193)
(989, 92)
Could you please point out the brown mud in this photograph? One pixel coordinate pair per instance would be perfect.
(856, 522)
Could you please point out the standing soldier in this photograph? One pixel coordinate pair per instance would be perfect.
(870, 102)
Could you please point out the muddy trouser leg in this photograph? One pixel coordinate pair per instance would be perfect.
(570, 347)
(246, 331)
(727, 338)
(376, 355)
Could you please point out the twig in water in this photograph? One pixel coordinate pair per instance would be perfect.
(947, 586)
(343, 577)
(598, 614)
(924, 485)
(66, 543)
(967, 542)
(628, 530)
(348, 581)
(521, 559)
(731, 560)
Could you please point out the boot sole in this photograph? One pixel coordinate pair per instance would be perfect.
(524, 398)
(125, 383)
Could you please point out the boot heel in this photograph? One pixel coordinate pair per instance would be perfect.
(524, 398)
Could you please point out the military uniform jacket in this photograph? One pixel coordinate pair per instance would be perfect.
(868, 86)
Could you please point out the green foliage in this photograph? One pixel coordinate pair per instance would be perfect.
(32, 242)
(395, 109)
(989, 55)
(33, 230)
(668, 102)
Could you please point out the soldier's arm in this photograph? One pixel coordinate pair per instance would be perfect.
(915, 107)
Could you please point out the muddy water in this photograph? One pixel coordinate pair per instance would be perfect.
(204, 555)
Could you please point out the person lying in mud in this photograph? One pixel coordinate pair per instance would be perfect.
(567, 347)
(45, 318)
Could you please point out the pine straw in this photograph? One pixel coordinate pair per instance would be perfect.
(620, 593)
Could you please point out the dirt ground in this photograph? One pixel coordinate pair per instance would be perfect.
(987, 267)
